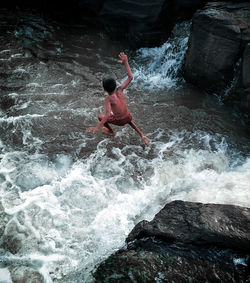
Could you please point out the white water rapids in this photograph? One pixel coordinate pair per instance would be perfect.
(69, 199)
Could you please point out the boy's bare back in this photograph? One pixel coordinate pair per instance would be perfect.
(118, 103)
(116, 110)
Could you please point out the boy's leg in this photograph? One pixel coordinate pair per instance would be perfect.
(144, 138)
(106, 129)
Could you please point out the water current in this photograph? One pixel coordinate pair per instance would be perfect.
(70, 198)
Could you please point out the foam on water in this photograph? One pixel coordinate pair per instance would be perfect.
(33, 85)
(24, 123)
(15, 119)
(74, 214)
(5, 276)
(5, 51)
(158, 68)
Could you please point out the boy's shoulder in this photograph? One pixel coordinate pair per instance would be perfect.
(119, 90)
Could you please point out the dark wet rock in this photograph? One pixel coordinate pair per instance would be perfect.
(140, 22)
(151, 260)
(216, 44)
(132, 20)
(218, 48)
(238, 94)
(12, 243)
(145, 23)
(185, 242)
(25, 274)
(196, 223)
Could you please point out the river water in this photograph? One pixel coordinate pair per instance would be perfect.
(70, 198)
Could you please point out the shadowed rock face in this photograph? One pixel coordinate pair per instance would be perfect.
(246, 67)
(144, 22)
(140, 22)
(216, 44)
(218, 56)
(134, 19)
(185, 242)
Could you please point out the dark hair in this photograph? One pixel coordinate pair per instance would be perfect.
(109, 84)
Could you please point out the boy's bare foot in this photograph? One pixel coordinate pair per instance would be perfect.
(108, 132)
(146, 140)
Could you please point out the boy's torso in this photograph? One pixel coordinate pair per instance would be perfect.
(118, 104)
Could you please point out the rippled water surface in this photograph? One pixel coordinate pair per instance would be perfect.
(69, 198)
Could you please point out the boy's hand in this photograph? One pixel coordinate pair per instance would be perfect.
(92, 129)
(123, 58)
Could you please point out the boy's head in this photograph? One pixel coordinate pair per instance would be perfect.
(109, 84)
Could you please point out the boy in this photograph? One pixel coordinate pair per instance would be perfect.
(116, 102)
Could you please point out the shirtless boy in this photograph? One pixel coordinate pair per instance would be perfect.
(116, 102)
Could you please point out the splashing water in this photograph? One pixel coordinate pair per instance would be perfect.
(159, 67)
(78, 213)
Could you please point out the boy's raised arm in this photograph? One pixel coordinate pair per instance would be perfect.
(124, 60)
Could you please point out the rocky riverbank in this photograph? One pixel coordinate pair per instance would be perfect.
(140, 22)
(185, 242)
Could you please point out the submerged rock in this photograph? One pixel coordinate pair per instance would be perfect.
(12, 240)
(25, 274)
(185, 242)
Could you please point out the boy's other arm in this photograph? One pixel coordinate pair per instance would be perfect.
(124, 60)
(105, 118)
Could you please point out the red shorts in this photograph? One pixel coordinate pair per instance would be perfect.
(121, 122)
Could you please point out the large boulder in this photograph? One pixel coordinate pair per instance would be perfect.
(217, 59)
(196, 223)
(216, 44)
(185, 242)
